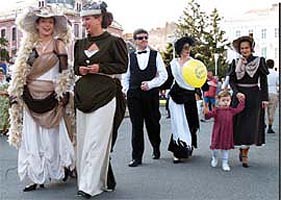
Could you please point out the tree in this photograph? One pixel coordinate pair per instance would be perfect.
(167, 55)
(206, 31)
(193, 21)
(4, 54)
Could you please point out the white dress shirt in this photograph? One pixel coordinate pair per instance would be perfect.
(273, 81)
(142, 59)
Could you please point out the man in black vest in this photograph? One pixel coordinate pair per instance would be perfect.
(146, 72)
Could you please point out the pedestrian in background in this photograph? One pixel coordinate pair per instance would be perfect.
(146, 72)
(39, 91)
(273, 92)
(200, 104)
(219, 84)
(248, 79)
(182, 104)
(222, 134)
(98, 59)
(4, 104)
(210, 94)
(166, 86)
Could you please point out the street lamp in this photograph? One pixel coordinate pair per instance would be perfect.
(216, 57)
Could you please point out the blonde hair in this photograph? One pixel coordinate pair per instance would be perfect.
(223, 93)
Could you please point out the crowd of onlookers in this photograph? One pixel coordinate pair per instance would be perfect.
(5, 77)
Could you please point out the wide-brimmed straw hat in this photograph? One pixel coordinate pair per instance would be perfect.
(27, 22)
(236, 43)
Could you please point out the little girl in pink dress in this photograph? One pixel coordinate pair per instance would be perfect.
(222, 135)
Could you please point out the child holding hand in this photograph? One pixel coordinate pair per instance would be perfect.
(222, 135)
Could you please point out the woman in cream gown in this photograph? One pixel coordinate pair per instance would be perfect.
(45, 149)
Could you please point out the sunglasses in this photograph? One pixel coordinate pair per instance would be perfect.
(142, 37)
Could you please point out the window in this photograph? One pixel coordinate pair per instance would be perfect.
(276, 32)
(14, 34)
(41, 4)
(263, 52)
(14, 52)
(83, 32)
(3, 33)
(263, 33)
(276, 53)
(78, 7)
(76, 30)
(237, 33)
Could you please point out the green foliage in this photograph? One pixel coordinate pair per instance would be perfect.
(205, 29)
(167, 55)
(4, 54)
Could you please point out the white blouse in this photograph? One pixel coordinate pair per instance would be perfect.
(177, 73)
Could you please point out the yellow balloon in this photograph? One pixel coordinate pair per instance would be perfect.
(194, 73)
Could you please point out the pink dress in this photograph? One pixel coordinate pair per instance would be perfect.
(222, 135)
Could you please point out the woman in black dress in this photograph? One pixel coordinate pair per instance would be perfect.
(248, 77)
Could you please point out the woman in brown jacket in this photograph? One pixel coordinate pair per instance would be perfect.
(98, 58)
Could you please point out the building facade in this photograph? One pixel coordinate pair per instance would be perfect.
(263, 24)
(70, 8)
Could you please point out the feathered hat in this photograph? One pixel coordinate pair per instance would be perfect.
(27, 22)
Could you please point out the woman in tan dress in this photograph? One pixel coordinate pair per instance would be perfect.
(40, 89)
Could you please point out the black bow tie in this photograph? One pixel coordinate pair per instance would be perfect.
(140, 52)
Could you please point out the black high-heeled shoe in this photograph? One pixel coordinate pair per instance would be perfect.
(245, 165)
(85, 195)
(176, 160)
(67, 173)
(32, 187)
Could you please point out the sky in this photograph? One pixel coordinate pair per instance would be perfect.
(148, 14)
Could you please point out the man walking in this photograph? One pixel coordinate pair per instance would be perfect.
(273, 90)
(146, 72)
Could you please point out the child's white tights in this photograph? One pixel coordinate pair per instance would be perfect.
(224, 157)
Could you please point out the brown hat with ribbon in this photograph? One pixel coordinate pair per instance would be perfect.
(236, 43)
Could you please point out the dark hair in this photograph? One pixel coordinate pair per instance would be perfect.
(107, 19)
(139, 31)
(181, 42)
(270, 63)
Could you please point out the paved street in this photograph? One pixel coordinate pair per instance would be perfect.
(161, 179)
